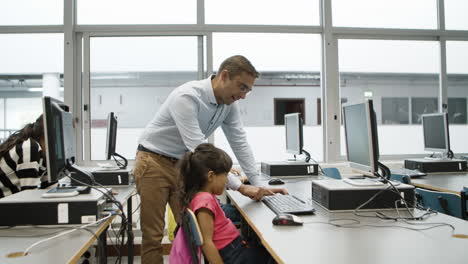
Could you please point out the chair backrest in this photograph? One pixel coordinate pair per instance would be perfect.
(464, 198)
(401, 178)
(186, 247)
(447, 203)
(192, 234)
(189, 218)
(332, 173)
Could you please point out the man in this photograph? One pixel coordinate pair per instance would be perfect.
(190, 114)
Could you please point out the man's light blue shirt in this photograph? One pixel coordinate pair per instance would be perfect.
(188, 117)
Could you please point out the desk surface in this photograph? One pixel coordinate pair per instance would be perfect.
(318, 242)
(442, 182)
(65, 249)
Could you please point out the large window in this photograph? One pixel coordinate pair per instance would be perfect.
(421, 106)
(132, 70)
(457, 69)
(289, 68)
(31, 12)
(132, 76)
(31, 53)
(291, 12)
(383, 69)
(455, 14)
(421, 14)
(137, 12)
(31, 65)
(395, 110)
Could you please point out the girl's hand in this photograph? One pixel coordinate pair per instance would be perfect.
(235, 171)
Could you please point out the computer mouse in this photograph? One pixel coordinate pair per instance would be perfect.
(275, 182)
(287, 219)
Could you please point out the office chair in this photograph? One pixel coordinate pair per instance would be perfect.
(332, 173)
(193, 234)
(401, 178)
(447, 203)
(186, 247)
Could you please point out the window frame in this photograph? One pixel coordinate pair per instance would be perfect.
(76, 49)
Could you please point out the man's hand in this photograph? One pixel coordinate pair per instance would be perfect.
(256, 193)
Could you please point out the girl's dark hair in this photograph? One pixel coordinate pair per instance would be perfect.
(194, 168)
(32, 130)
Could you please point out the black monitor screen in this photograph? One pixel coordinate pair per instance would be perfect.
(435, 127)
(111, 138)
(361, 136)
(59, 137)
(294, 141)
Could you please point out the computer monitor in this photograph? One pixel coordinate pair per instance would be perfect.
(111, 137)
(361, 137)
(111, 140)
(436, 132)
(294, 135)
(294, 140)
(60, 144)
(58, 129)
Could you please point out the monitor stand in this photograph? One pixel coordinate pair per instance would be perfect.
(437, 158)
(306, 159)
(120, 164)
(82, 176)
(364, 180)
(61, 191)
(67, 190)
(295, 160)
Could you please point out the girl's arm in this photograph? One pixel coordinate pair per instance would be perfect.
(206, 223)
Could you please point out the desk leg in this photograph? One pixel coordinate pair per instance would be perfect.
(130, 231)
(102, 247)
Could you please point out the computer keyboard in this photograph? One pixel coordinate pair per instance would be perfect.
(409, 172)
(290, 204)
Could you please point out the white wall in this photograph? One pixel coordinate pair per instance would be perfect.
(268, 143)
(139, 104)
(257, 111)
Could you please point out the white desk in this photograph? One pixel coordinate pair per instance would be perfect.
(447, 182)
(318, 242)
(66, 249)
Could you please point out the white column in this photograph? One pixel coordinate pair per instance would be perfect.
(330, 84)
(51, 85)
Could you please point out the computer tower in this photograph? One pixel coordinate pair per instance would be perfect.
(337, 195)
(293, 168)
(105, 177)
(434, 165)
(29, 208)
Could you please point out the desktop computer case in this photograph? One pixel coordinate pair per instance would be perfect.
(29, 208)
(104, 177)
(336, 195)
(289, 168)
(428, 166)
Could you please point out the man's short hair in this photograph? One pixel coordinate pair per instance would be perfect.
(236, 65)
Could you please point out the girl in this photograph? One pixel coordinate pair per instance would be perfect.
(204, 173)
(22, 159)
